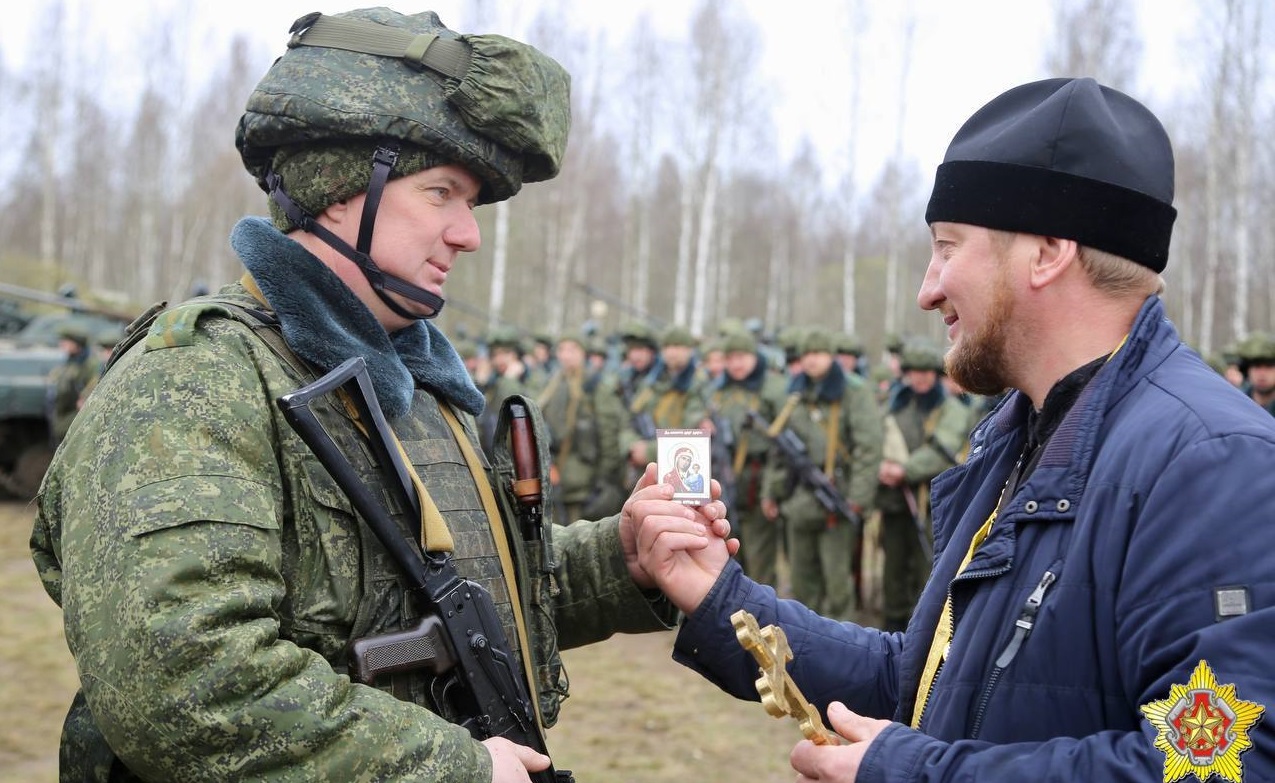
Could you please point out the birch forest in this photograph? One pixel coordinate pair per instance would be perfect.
(673, 204)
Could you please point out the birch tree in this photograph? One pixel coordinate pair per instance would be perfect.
(1095, 38)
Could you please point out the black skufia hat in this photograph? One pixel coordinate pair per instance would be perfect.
(1066, 158)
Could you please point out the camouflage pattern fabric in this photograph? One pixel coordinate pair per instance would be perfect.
(585, 417)
(819, 548)
(932, 437)
(506, 119)
(211, 573)
(66, 384)
(763, 392)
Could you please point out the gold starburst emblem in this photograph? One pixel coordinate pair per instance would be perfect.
(1202, 728)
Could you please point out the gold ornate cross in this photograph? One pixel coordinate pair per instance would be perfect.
(779, 694)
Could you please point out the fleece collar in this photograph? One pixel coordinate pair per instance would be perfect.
(325, 324)
(829, 388)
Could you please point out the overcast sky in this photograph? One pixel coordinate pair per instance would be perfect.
(964, 53)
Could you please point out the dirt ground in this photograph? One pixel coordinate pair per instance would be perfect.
(634, 716)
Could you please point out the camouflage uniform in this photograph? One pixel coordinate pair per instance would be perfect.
(764, 392)
(211, 573)
(930, 433)
(671, 401)
(68, 381)
(1257, 350)
(820, 545)
(584, 416)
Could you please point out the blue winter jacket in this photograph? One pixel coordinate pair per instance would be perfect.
(1146, 526)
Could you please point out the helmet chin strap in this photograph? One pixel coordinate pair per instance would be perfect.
(383, 161)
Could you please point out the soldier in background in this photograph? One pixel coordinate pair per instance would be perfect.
(926, 430)
(584, 416)
(837, 418)
(641, 358)
(748, 384)
(850, 354)
(789, 341)
(500, 377)
(670, 397)
(1257, 361)
(68, 380)
(104, 343)
(713, 360)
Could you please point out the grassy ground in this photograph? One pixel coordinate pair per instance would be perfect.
(634, 716)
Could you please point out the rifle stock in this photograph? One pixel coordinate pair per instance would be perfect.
(460, 637)
(807, 472)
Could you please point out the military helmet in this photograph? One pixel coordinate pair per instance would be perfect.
(918, 353)
(504, 337)
(739, 342)
(789, 341)
(639, 333)
(817, 340)
(75, 332)
(498, 107)
(677, 335)
(848, 344)
(1257, 348)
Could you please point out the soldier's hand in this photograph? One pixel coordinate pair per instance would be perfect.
(769, 509)
(637, 453)
(511, 762)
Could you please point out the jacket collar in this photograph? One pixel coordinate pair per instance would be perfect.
(325, 324)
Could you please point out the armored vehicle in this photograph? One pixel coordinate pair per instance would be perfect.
(27, 356)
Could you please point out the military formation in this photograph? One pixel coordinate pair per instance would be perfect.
(878, 434)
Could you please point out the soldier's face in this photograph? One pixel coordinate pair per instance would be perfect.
(920, 381)
(816, 363)
(424, 222)
(740, 364)
(1262, 378)
(570, 355)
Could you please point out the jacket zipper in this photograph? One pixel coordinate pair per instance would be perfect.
(951, 636)
(1022, 629)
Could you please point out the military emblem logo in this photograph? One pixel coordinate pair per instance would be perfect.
(1202, 728)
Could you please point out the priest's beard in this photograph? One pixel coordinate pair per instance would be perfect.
(979, 361)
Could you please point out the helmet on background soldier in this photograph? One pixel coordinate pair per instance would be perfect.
(920, 353)
(1258, 348)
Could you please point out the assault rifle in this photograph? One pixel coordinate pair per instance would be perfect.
(721, 450)
(459, 638)
(806, 471)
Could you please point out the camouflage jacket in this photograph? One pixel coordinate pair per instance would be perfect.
(859, 437)
(66, 385)
(584, 416)
(935, 428)
(672, 402)
(211, 573)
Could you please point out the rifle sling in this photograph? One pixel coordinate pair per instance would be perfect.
(499, 532)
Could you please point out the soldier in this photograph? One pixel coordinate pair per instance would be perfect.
(502, 376)
(713, 360)
(789, 341)
(671, 397)
(925, 434)
(641, 358)
(747, 384)
(212, 573)
(1257, 361)
(584, 416)
(104, 343)
(836, 416)
(68, 380)
(850, 354)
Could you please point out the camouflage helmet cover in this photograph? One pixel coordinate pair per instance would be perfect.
(505, 117)
(919, 353)
(1257, 348)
